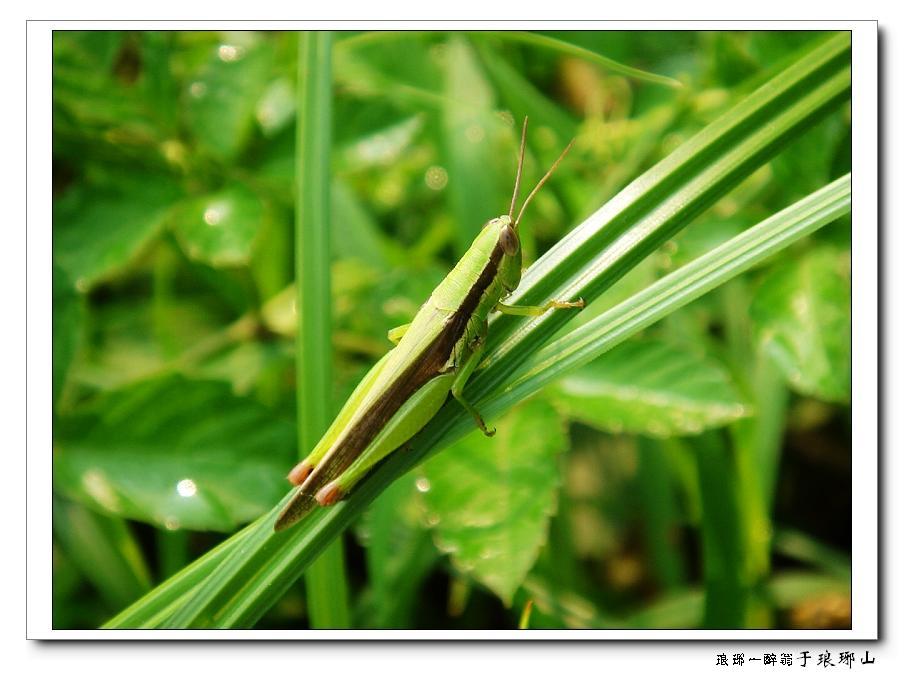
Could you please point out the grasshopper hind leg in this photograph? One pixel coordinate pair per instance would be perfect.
(300, 472)
(330, 494)
(409, 420)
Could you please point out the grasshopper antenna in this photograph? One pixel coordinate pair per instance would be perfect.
(511, 211)
(543, 181)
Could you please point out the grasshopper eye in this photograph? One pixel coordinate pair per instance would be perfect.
(508, 239)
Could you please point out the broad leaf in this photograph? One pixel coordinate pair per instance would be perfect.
(222, 101)
(489, 501)
(220, 229)
(176, 453)
(276, 107)
(97, 232)
(650, 387)
(802, 315)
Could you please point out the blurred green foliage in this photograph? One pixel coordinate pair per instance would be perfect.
(612, 499)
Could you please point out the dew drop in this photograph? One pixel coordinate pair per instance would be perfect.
(229, 53)
(186, 488)
(215, 213)
(436, 177)
(475, 133)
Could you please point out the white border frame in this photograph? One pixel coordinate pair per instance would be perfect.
(865, 341)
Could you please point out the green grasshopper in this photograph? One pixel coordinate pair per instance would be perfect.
(433, 355)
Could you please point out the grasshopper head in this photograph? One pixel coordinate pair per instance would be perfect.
(507, 239)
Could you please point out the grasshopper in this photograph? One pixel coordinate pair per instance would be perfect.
(434, 355)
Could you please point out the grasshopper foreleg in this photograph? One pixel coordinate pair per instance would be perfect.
(537, 310)
(396, 334)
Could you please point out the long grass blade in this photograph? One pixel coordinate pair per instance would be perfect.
(325, 581)
(567, 48)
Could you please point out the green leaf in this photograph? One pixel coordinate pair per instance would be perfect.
(90, 94)
(489, 501)
(220, 229)
(650, 387)
(276, 107)
(97, 231)
(357, 235)
(176, 453)
(68, 316)
(223, 99)
(802, 314)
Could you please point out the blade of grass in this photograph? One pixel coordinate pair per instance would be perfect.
(679, 288)
(757, 442)
(727, 587)
(533, 39)
(258, 569)
(325, 580)
(656, 495)
(140, 614)
(562, 47)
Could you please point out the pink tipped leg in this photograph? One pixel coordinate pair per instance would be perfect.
(300, 472)
(330, 494)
